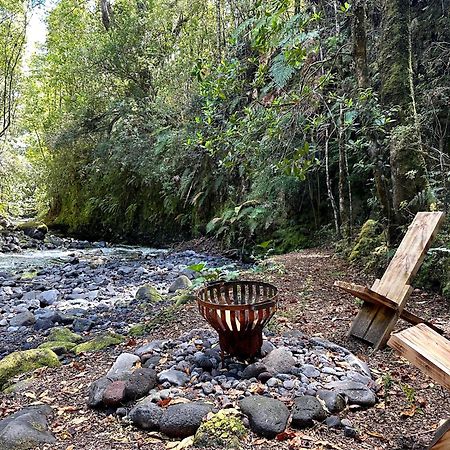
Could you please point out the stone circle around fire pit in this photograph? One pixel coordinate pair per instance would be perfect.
(172, 385)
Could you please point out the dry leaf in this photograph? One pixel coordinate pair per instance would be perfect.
(409, 412)
(377, 435)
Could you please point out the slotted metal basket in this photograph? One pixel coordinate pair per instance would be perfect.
(238, 311)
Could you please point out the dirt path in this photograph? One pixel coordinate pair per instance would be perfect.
(410, 406)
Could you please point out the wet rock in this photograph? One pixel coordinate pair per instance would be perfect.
(114, 393)
(174, 377)
(182, 282)
(279, 360)
(182, 420)
(146, 415)
(97, 390)
(356, 393)
(26, 429)
(139, 383)
(23, 319)
(267, 416)
(26, 361)
(123, 366)
(306, 409)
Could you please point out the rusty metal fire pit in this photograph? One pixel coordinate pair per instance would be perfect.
(238, 311)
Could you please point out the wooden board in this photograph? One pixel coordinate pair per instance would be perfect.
(425, 349)
(441, 440)
(375, 322)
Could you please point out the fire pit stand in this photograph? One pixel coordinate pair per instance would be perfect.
(238, 311)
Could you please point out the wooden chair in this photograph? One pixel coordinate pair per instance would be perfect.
(430, 352)
(384, 302)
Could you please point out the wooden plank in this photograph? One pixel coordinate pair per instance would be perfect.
(410, 254)
(426, 349)
(366, 294)
(441, 440)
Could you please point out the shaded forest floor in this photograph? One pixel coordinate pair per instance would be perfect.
(410, 405)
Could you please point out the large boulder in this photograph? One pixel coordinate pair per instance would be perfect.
(267, 416)
(180, 283)
(356, 393)
(26, 361)
(123, 366)
(26, 429)
(279, 360)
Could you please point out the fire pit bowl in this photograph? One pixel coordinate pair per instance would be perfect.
(238, 311)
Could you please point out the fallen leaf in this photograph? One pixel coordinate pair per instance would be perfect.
(164, 402)
(377, 435)
(409, 412)
(285, 435)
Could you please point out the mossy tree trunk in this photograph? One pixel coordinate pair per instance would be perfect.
(408, 174)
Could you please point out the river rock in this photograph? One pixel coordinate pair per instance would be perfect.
(22, 319)
(182, 420)
(334, 401)
(114, 393)
(123, 366)
(279, 360)
(182, 282)
(306, 409)
(139, 383)
(267, 416)
(26, 429)
(356, 393)
(254, 370)
(146, 415)
(97, 390)
(49, 297)
(175, 377)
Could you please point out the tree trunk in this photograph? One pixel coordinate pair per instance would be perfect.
(106, 10)
(360, 43)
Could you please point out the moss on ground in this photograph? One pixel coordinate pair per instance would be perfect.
(25, 361)
(56, 346)
(148, 293)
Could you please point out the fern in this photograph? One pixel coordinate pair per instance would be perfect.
(281, 71)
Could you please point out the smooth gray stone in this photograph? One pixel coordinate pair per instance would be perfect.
(182, 420)
(26, 429)
(172, 376)
(146, 415)
(182, 282)
(306, 409)
(279, 360)
(123, 366)
(49, 297)
(267, 416)
(356, 393)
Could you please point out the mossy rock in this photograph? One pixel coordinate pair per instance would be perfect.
(148, 293)
(369, 238)
(58, 346)
(137, 330)
(183, 297)
(223, 430)
(32, 225)
(26, 361)
(99, 343)
(63, 334)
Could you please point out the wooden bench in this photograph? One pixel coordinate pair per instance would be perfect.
(430, 352)
(384, 302)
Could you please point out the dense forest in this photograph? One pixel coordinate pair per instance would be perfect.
(269, 125)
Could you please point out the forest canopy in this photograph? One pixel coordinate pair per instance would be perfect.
(264, 124)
